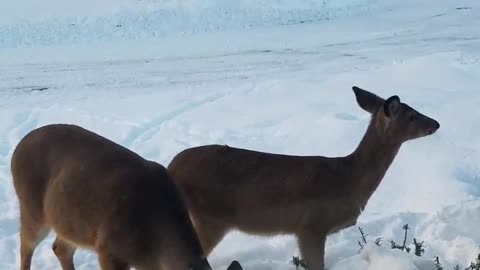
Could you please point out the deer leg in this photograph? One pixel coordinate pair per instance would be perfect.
(31, 233)
(155, 267)
(26, 254)
(312, 248)
(173, 262)
(108, 262)
(64, 253)
(209, 233)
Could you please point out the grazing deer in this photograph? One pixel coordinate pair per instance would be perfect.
(101, 196)
(309, 196)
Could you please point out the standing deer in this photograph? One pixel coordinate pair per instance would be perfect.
(309, 196)
(101, 196)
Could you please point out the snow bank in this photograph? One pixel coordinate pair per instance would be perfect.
(32, 10)
(34, 23)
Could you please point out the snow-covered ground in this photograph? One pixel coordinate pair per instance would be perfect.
(266, 75)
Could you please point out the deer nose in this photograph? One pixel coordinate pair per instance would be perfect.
(435, 127)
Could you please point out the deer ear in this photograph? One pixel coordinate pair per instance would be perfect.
(366, 100)
(235, 265)
(392, 107)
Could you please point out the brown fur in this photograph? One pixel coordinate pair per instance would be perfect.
(310, 196)
(99, 195)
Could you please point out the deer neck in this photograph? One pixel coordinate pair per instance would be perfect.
(370, 161)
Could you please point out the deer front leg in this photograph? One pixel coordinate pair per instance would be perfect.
(312, 248)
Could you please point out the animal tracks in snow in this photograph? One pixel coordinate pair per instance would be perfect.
(145, 131)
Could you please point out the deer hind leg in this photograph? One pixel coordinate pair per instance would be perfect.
(64, 253)
(209, 233)
(32, 232)
(312, 248)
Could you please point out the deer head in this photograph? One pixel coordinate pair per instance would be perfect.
(394, 120)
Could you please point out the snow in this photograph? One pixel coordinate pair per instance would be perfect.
(260, 79)
(374, 257)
